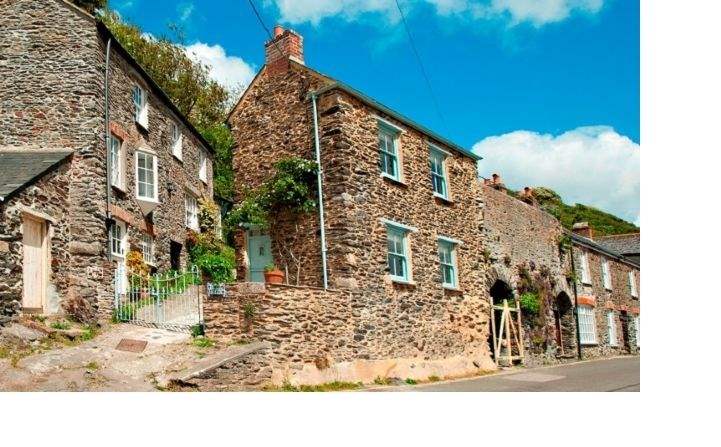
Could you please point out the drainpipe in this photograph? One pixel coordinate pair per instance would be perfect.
(575, 304)
(320, 191)
(108, 179)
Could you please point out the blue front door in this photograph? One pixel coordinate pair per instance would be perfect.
(259, 255)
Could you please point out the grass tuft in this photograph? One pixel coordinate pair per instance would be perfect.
(410, 381)
(433, 378)
(203, 342)
(324, 387)
(60, 325)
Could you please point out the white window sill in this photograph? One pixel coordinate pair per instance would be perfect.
(197, 230)
(403, 281)
(589, 343)
(120, 188)
(180, 159)
(393, 179)
(586, 283)
(609, 289)
(117, 257)
(141, 124)
(451, 288)
(442, 197)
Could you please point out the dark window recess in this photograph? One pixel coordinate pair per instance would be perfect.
(175, 250)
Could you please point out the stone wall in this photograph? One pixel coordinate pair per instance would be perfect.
(46, 199)
(321, 335)
(52, 74)
(618, 299)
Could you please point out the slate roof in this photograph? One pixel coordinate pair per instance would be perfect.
(20, 169)
(594, 245)
(626, 244)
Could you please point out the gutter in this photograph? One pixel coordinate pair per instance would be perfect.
(321, 212)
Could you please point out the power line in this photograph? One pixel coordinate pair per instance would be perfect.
(420, 64)
(267, 31)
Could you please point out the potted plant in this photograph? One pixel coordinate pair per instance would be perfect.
(273, 275)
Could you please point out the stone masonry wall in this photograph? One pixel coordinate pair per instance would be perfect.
(618, 299)
(321, 335)
(176, 177)
(46, 198)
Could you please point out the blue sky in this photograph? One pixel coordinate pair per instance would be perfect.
(544, 90)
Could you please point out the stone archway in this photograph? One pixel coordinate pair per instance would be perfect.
(564, 325)
(499, 291)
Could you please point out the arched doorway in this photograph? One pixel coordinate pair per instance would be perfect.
(564, 324)
(505, 334)
(501, 291)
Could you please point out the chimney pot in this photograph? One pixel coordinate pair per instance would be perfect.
(278, 30)
(583, 229)
(285, 45)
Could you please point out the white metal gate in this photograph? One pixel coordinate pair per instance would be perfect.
(166, 300)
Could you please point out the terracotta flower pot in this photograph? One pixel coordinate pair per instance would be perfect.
(274, 277)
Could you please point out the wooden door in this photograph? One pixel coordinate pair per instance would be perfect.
(34, 264)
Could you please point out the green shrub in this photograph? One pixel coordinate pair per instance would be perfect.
(530, 303)
(203, 342)
(410, 381)
(218, 268)
(197, 331)
(249, 311)
(61, 325)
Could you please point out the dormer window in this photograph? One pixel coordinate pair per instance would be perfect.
(177, 141)
(140, 100)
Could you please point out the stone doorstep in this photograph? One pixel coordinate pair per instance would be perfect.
(211, 363)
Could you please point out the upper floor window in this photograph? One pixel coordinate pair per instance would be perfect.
(399, 263)
(117, 163)
(146, 176)
(191, 212)
(117, 239)
(606, 273)
(140, 100)
(388, 150)
(585, 270)
(439, 177)
(147, 245)
(177, 138)
(611, 322)
(587, 325)
(203, 169)
(449, 263)
(632, 284)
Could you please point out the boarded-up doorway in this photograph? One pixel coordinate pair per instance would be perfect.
(35, 264)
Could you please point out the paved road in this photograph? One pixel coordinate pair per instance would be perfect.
(620, 374)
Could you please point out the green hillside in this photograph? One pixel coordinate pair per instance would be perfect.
(602, 222)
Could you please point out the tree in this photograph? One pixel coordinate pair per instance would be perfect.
(188, 84)
(91, 5)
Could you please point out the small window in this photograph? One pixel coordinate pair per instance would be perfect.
(632, 284)
(398, 254)
(612, 337)
(140, 100)
(146, 176)
(117, 239)
(587, 325)
(585, 270)
(606, 272)
(388, 150)
(147, 244)
(203, 169)
(191, 212)
(637, 326)
(117, 163)
(438, 173)
(449, 269)
(177, 138)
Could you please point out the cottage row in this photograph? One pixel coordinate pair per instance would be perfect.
(95, 160)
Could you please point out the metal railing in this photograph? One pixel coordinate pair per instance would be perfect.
(168, 300)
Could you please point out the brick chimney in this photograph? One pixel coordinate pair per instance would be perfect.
(583, 229)
(286, 45)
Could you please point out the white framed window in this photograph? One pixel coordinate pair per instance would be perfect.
(203, 168)
(585, 270)
(606, 273)
(116, 236)
(611, 323)
(449, 263)
(400, 266)
(140, 101)
(587, 325)
(439, 176)
(147, 245)
(117, 162)
(191, 212)
(146, 176)
(632, 284)
(177, 138)
(388, 151)
(637, 326)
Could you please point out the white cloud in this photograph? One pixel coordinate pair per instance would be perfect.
(513, 12)
(591, 165)
(185, 10)
(229, 71)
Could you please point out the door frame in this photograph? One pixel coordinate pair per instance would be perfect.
(45, 261)
(246, 249)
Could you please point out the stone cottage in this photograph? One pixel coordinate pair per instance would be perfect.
(95, 161)
(401, 235)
